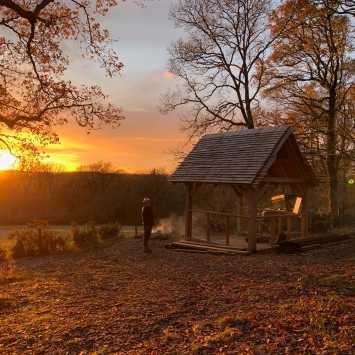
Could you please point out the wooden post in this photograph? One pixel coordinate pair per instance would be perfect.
(227, 231)
(208, 227)
(188, 212)
(239, 212)
(252, 210)
(273, 224)
(289, 227)
(304, 213)
(279, 226)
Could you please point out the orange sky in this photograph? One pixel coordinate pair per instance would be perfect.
(146, 138)
(143, 142)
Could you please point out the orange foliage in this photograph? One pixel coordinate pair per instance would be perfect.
(34, 96)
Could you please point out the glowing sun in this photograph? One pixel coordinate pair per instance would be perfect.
(7, 160)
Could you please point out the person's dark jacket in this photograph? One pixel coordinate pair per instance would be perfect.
(147, 216)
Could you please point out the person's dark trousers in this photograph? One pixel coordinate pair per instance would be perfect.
(147, 234)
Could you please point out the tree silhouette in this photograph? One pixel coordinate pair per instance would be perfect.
(312, 74)
(220, 61)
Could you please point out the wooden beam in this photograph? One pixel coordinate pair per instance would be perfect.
(283, 180)
(188, 212)
(252, 212)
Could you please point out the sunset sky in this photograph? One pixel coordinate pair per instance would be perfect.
(146, 138)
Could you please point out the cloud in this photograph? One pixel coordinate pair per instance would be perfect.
(144, 139)
(168, 75)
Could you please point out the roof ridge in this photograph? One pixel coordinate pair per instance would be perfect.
(248, 131)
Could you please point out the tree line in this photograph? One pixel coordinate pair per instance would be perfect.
(86, 196)
(100, 194)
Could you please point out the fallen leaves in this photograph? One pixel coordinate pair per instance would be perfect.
(121, 300)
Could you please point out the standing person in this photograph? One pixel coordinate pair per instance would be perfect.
(148, 222)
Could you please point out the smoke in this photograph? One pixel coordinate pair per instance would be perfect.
(173, 225)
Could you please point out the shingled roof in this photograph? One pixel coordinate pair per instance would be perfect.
(243, 157)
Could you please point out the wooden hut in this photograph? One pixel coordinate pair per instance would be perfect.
(250, 161)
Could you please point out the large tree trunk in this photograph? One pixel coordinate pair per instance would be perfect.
(249, 120)
(249, 116)
(332, 159)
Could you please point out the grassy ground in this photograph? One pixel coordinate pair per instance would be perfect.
(121, 300)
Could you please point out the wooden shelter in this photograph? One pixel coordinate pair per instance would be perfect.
(250, 161)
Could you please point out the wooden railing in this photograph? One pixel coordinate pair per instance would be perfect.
(227, 217)
(274, 222)
(220, 213)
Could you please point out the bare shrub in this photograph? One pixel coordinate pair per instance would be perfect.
(36, 240)
(7, 272)
(85, 237)
(109, 232)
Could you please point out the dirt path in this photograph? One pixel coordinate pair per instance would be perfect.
(120, 300)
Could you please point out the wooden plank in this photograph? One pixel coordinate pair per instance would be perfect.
(278, 198)
(297, 206)
(227, 231)
(203, 243)
(209, 248)
(206, 247)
